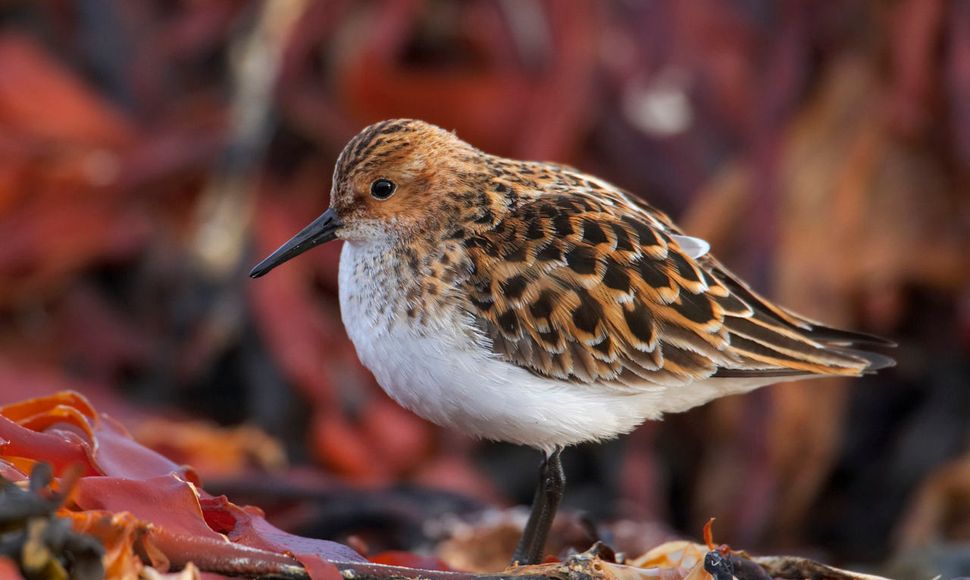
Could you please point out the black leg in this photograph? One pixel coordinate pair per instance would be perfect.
(552, 483)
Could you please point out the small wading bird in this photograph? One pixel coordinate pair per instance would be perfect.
(533, 303)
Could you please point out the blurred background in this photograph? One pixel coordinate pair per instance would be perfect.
(151, 151)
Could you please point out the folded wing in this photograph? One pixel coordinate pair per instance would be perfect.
(606, 290)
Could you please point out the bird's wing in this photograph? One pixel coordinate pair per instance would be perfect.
(603, 289)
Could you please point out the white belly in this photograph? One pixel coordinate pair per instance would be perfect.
(439, 373)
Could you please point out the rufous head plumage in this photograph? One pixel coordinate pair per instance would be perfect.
(399, 177)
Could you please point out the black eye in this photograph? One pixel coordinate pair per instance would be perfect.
(382, 188)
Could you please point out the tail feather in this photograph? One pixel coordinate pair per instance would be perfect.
(875, 360)
(771, 341)
(838, 337)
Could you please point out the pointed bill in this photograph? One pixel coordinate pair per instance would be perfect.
(320, 231)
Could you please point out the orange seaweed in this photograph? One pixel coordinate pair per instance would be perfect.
(144, 508)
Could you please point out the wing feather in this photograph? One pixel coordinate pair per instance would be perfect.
(597, 287)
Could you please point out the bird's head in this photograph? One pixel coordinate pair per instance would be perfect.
(393, 180)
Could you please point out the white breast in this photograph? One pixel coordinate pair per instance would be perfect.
(439, 370)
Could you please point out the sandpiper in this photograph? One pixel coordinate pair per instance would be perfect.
(532, 303)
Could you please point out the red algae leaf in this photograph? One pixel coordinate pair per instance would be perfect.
(165, 501)
(246, 525)
(27, 431)
(8, 470)
(61, 414)
(22, 410)
(143, 506)
(56, 447)
(118, 455)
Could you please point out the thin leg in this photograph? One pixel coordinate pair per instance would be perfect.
(552, 483)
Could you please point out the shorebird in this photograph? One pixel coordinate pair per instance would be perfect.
(533, 303)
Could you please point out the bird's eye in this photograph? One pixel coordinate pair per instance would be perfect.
(382, 188)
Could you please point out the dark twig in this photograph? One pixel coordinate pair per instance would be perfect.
(43, 545)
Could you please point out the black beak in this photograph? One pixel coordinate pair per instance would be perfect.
(320, 231)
